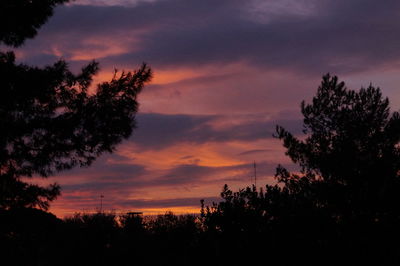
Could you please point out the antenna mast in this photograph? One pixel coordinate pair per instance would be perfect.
(255, 174)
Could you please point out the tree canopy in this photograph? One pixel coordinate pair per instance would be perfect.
(21, 19)
(51, 118)
(350, 158)
(342, 203)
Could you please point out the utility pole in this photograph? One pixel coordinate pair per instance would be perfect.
(101, 203)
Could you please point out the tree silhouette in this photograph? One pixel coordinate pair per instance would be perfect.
(342, 204)
(20, 19)
(52, 119)
(350, 158)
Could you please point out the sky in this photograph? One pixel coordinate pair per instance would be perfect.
(226, 72)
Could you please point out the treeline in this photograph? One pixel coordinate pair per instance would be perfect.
(35, 237)
(246, 228)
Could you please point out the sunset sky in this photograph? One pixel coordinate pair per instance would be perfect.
(225, 73)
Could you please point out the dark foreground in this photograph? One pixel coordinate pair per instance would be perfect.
(233, 237)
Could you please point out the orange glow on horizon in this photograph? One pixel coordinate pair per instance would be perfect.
(63, 213)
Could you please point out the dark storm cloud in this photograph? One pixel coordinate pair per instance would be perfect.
(338, 36)
(157, 131)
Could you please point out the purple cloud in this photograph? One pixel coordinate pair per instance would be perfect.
(337, 36)
(157, 131)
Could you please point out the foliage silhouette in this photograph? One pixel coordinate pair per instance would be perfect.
(106, 239)
(350, 159)
(30, 237)
(342, 204)
(20, 19)
(92, 237)
(51, 119)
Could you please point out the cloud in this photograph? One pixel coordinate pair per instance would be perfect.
(330, 36)
(226, 72)
(168, 203)
(280, 48)
(157, 131)
(109, 2)
(179, 175)
(253, 152)
(122, 180)
(81, 204)
(107, 165)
